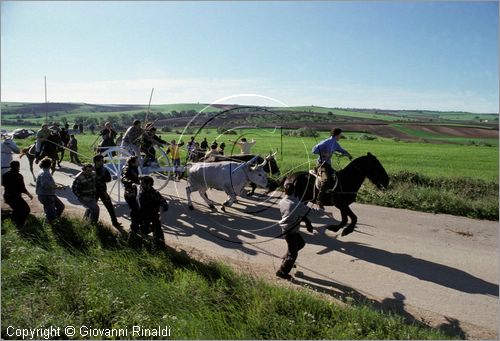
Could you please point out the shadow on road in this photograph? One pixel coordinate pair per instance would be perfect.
(420, 268)
(394, 304)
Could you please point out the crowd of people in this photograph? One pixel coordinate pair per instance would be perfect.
(145, 202)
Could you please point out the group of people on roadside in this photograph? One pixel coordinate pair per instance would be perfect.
(145, 202)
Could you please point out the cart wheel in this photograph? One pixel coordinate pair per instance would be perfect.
(115, 159)
(161, 170)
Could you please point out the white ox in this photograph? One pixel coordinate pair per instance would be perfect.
(230, 177)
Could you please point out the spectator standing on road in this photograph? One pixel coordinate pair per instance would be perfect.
(84, 187)
(46, 192)
(13, 182)
(102, 176)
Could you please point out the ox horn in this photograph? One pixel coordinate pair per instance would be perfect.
(248, 163)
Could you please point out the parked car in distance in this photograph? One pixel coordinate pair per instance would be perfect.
(22, 133)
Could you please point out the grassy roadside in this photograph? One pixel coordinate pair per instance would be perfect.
(77, 274)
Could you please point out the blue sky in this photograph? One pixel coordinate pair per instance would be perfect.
(391, 55)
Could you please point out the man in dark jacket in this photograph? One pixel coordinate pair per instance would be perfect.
(102, 176)
(130, 180)
(13, 182)
(84, 187)
(150, 201)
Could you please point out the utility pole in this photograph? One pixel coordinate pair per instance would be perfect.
(46, 104)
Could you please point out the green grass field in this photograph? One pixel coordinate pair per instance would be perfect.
(476, 166)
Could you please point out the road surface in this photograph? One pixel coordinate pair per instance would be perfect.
(439, 269)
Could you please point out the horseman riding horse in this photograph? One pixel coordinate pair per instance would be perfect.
(349, 181)
(50, 148)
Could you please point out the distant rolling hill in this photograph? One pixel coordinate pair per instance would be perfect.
(403, 124)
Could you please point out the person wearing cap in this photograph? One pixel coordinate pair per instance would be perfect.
(13, 182)
(108, 135)
(325, 150)
(46, 191)
(102, 176)
(41, 136)
(292, 212)
(132, 139)
(84, 187)
(150, 201)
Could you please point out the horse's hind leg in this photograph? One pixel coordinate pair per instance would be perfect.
(343, 212)
(354, 219)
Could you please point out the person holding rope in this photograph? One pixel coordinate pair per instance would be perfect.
(292, 212)
(102, 176)
(41, 136)
(13, 182)
(325, 149)
(130, 180)
(84, 187)
(132, 139)
(46, 191)
(148, 140)
(150, 201)
(73, 149)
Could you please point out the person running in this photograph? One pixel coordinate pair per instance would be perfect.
(46, 192)
(130, 180)
(73, 149)
(245, 146)
(174, 150)
(102, 176)
(132, 139)
(84, 187)
(292, 211)
(13, 182)
(325, 149)
(41, 136)
(150, 201)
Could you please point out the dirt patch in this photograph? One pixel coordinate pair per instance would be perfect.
(455, 131)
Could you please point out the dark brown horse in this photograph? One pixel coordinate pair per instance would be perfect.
(50, 149)
(350, 180)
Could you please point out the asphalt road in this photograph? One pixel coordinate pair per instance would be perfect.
(439, 269)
